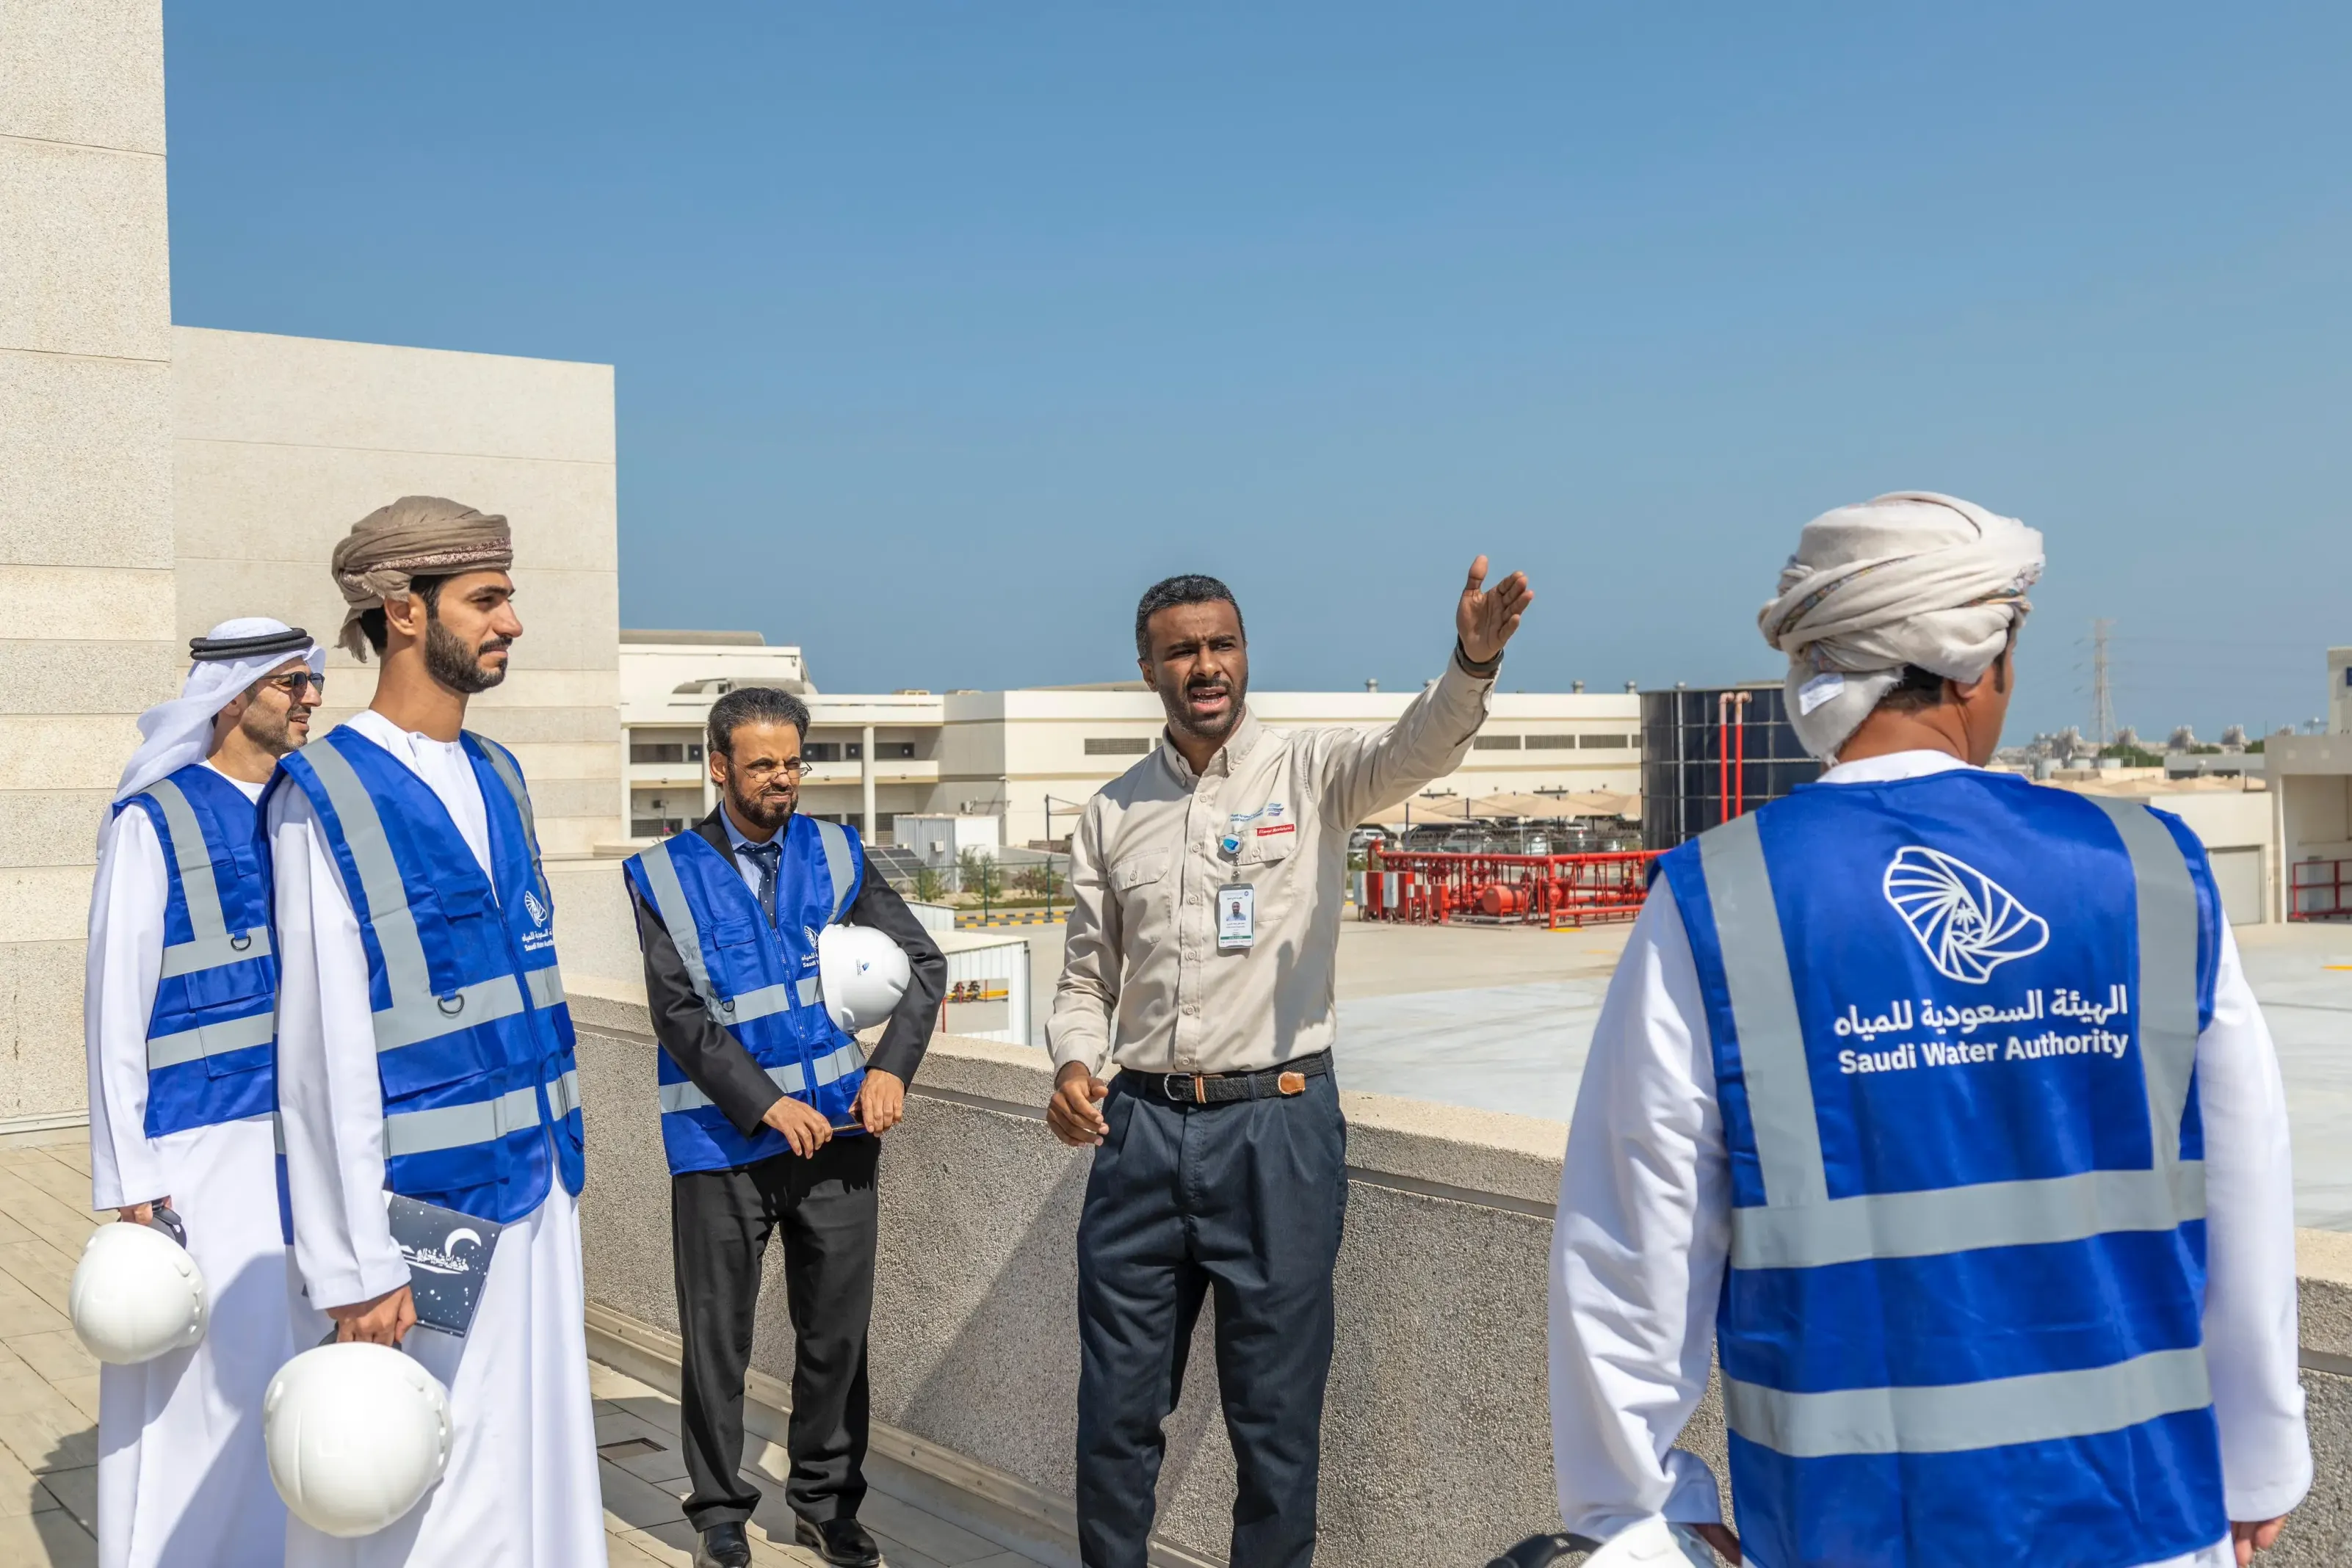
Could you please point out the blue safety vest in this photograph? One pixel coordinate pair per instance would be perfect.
(473, 1039)
(209, 1035)
(758, 983)
(1955, 1026)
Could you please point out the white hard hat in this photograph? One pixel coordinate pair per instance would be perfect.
(136, 1295)
(356, 1435)
(863, 974)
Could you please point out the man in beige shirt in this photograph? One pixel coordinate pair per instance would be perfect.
(1207, 881)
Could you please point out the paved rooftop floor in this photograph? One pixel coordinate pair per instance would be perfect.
(48, 1419)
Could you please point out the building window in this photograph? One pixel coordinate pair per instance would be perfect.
(655, 827)
(1551, 743)
(664, 751)
(822, 751)
(1609, 742)
(1496, 743)
(902, 751)
(1117, 746)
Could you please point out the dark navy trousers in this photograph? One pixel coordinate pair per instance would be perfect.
(1244, 1201)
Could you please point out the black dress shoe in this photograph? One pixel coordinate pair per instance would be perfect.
(723, 1546)
(839, 1541)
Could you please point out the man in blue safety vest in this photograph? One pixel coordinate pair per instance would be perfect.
(1935, 1103)
(177, 1015)
(424, 1048)
(771, 1114)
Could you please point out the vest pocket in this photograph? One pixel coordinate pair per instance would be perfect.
(228, 989)
(430, 1063)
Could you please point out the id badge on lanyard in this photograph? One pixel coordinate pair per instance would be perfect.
(1236, 917)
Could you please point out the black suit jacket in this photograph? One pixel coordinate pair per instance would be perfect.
(712, 1057)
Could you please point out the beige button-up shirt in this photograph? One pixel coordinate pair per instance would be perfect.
(1143, 982)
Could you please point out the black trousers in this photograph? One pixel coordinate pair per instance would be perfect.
(720, 1225)
(1244, 1200)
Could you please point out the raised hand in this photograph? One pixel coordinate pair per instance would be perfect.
(1486, 617)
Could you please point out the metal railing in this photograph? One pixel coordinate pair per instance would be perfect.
(1423, 888)
(2320, 890)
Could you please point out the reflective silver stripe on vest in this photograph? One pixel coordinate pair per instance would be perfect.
(215, 944)
(210, 1040)
(835, 844)
(563, 1094)
(1793, 1231)
(1959, 1416)
(546, 985)
(503, 766)
(678, 919)
(215, 952)
(418, 1013)
(831, 1068)
(1764, 1014)
(2167, 1007)
(767, 1000)
(455, 1126)
(839, 1063)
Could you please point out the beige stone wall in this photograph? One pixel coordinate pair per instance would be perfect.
(283, 443)
(86, 599)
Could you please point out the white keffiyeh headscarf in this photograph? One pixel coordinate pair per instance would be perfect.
(1911, 578)
(228, 659)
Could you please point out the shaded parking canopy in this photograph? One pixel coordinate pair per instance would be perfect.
(1521, 807)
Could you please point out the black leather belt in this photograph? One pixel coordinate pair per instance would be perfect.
(1224, 1088)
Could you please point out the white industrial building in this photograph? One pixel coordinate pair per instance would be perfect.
(1029, 758)
(2311, 800)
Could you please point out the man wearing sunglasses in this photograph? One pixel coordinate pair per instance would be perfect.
(180, 985)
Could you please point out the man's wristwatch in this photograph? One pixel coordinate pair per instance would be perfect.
(1471, 666)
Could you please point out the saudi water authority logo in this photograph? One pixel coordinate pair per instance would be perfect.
(533, 907)
(1969, 923)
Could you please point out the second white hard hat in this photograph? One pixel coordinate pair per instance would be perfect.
(356, 1434)
(863, 974)
(136, 1294)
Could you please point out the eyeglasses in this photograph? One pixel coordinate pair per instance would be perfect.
(763, 768)
(292, 682)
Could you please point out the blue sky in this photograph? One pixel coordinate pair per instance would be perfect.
(940, 331)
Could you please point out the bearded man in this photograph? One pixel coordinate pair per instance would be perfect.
(1203, 939)
(425, 1047)
(177, 1020)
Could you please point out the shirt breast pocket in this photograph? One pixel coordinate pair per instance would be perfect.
(1268, 849)
(1134, 883)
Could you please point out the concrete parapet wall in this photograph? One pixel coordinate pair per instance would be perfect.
(1436, 1436)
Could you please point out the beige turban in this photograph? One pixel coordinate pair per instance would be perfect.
(1911, 578)
(416, 536)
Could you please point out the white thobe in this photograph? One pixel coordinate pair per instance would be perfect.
(182, 1478)
(1644, 1226)
(521, 1488)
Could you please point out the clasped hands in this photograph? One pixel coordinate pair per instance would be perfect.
(881, 1104)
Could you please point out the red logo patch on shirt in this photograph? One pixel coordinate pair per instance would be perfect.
(1284, 827)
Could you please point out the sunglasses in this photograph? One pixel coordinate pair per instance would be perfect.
(293, 683)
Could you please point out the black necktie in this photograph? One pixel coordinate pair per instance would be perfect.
(766, 857)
